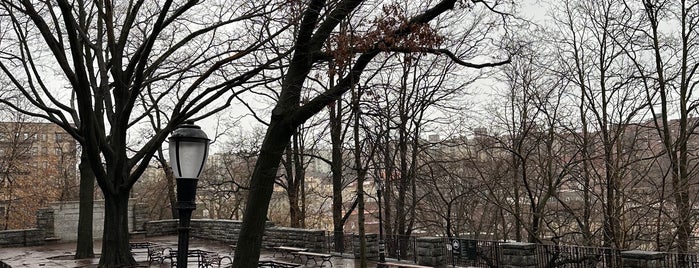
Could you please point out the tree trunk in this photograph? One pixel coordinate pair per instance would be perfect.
(299, 179)
(336, 168)
(116, 231)
(85, 245)
(292, 185)
(361, 174)
(388, 196)
(171, 195)
(261, 186)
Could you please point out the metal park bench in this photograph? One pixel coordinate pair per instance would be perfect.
(313, 256)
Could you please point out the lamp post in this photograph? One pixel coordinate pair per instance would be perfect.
(189, 148)
(382, 245)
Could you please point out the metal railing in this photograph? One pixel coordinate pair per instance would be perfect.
(569, 256)
(487, 253)
(472, 253)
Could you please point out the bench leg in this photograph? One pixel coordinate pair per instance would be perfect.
(328, 261)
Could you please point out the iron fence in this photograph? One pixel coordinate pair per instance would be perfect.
(487, 253)
(401, 247)
(568, 256)
(472, 253)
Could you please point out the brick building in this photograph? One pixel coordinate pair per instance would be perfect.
(38, 165)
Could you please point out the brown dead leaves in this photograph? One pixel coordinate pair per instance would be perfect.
(392, 30)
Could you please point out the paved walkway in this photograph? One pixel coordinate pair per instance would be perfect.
(60, 254)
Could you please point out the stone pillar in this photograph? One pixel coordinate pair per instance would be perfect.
(45, 221)
(642, 259)
(372, 246)
(518, 254)
(140, 216)
(431, 251)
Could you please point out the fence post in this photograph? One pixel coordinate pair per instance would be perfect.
(642, 259)
(519, 254)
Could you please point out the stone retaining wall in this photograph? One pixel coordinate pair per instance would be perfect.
(60, 219)
(430, 251)
(22, 238)
(227, 231)
(372, 244)
(519, 254)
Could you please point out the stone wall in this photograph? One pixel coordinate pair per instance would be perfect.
(313, 240)
(140, 216)
(66, 216)
(642, 259)
(60, 219)
(430, 251)
(45, 221)
(227, 231)
(22, 238)
(517, 254)
(372, 243)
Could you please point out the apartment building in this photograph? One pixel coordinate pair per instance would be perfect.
(38, 165)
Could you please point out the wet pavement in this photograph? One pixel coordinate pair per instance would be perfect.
(61, 255)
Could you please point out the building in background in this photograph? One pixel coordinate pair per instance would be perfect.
(38, 165)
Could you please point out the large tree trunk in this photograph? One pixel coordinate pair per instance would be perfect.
(85, 245)
(261, 186)
(116, 231)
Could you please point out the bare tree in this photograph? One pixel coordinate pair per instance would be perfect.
(669, 80)
(289, 112)
(120, 62)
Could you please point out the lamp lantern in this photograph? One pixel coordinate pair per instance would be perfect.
(189, 148)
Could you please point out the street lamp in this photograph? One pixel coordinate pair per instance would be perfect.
(189, 148)
(382, 245)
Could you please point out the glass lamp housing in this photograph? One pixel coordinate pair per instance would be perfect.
(189, 147)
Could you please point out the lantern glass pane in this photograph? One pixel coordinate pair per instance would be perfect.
(188, 158)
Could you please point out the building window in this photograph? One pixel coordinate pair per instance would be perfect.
(45, 150)
(59, 137)
(35, 151)
(58, 151)
(45, 164)
(44, 137)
